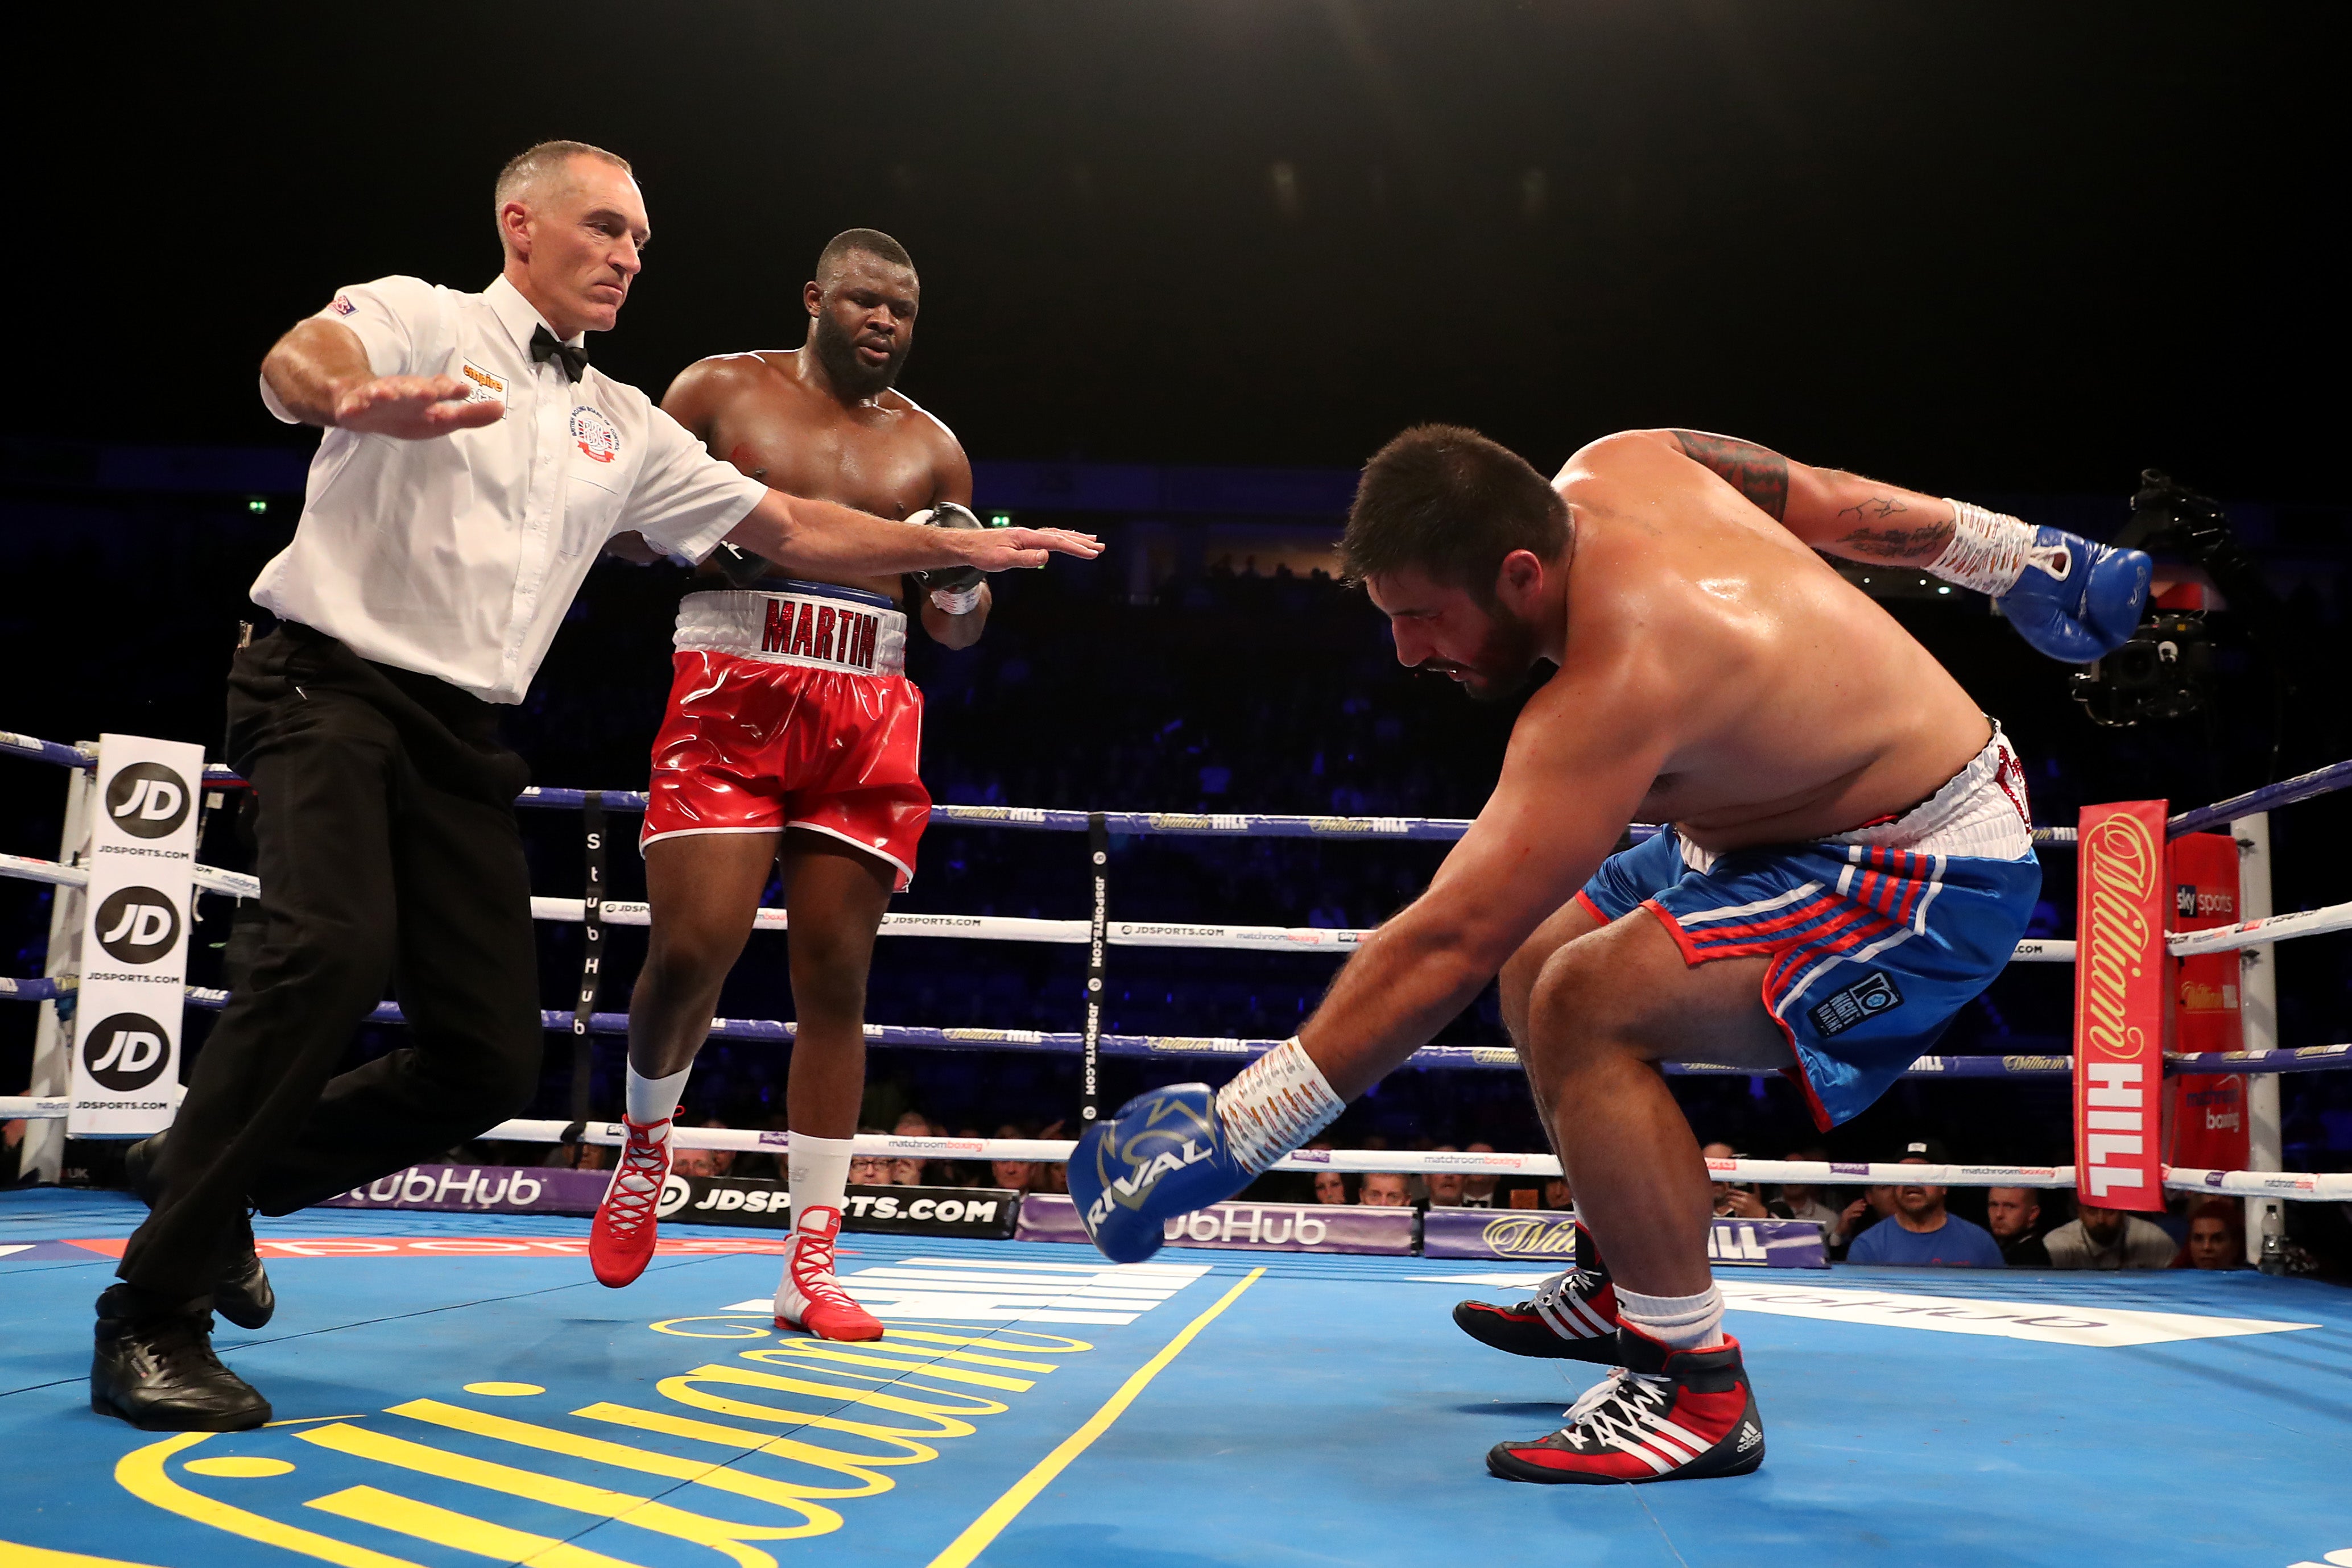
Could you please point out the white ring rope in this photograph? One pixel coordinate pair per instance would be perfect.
(971, 927)
(1414, 1162)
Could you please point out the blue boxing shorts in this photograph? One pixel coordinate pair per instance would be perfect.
(1876, 937)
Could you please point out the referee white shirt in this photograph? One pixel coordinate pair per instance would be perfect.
(458, 557)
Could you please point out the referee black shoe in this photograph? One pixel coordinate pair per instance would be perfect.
(159, 1373)
(242, 1292)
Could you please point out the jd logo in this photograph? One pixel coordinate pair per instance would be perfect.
(126, 1052)
(674, 1193)
(137, 925)
(1865, 998)
(148, 800)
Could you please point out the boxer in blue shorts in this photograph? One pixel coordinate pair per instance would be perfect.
(1849, 863)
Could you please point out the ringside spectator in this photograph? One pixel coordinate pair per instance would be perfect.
(1478, 1191)
(1330, 1186)
(2013, 1214)
(703, 1162)
(1734, 1200)
(1921, 1232)
(1444, 1187)
(2217, 1236)
(869, 1170)
(2108, 1238)
(1385, 1189)
(1803, 1201)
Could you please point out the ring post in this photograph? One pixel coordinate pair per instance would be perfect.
(43, 1156)
(592, 948)
(2258, 1011)
(1090, 1045)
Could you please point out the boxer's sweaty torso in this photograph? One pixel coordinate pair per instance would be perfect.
(886, 455)
(1787, 704)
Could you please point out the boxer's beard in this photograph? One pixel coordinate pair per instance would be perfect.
(1502, 662)
(851, 376)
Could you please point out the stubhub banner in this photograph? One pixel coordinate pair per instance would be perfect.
(482, 1190)
(1251, 1226)
(1536, 1235)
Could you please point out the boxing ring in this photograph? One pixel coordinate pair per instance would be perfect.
(454, 1388)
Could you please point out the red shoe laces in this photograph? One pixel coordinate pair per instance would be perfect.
(813, 1264)
(638, 1183)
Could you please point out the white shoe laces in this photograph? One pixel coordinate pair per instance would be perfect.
(1615, 1410)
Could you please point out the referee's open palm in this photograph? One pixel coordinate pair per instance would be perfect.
(413, 408)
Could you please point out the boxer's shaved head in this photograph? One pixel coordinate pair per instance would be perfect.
(529, 173)
(848, 242)
(1449, 503)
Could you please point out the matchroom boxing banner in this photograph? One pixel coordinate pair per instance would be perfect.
(2119, 1005)
(134, 938)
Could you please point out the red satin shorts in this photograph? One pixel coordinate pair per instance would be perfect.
(752, 746)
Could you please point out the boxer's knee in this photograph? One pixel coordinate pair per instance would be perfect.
(1577, 1009)
(688, 961)
(829, 974)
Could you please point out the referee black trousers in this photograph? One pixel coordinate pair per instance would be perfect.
(388, 853)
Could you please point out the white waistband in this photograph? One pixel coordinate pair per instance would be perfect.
(812, 630)
(1981, 811)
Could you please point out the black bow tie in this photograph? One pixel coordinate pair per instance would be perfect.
(545, 347)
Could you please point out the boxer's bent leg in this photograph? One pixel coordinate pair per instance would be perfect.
(319, 761)
(1606, 1008)
(836, 895)
(1516, 983)
(704, 890)
(467, 975)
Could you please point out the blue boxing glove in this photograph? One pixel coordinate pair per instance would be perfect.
(1165, 1153)
(2071, 598)
(1177, 1149)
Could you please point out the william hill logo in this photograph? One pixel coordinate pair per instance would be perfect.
(2114, 934)
(1529, 1236)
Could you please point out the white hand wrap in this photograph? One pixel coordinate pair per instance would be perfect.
(1988, 552)
(1275, 1104)
(955, 603)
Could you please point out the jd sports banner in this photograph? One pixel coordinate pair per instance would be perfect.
(134, 940)
(983, 1212)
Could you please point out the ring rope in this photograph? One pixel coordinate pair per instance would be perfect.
(1053, 1151)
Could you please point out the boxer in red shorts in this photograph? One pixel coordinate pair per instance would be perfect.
(792, 734)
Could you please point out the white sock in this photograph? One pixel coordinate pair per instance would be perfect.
(653, 1100)
(817, 1171)
(1678, 1323)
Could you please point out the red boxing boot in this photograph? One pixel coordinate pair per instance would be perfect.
(1663, 1415)
(810, 1298)
(621, 1241)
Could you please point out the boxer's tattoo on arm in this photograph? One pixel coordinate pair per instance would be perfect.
(1923, 543)
(1893, 540)
(1758, 473)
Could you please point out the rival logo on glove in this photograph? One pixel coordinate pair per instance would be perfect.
(1150, 1153)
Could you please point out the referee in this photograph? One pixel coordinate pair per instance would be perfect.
(474, 466)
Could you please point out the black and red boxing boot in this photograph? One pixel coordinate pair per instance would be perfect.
(1663, 1415)
(1573, 1316)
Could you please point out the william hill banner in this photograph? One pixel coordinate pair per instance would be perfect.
(1548, 1235)
(2120, 1005)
